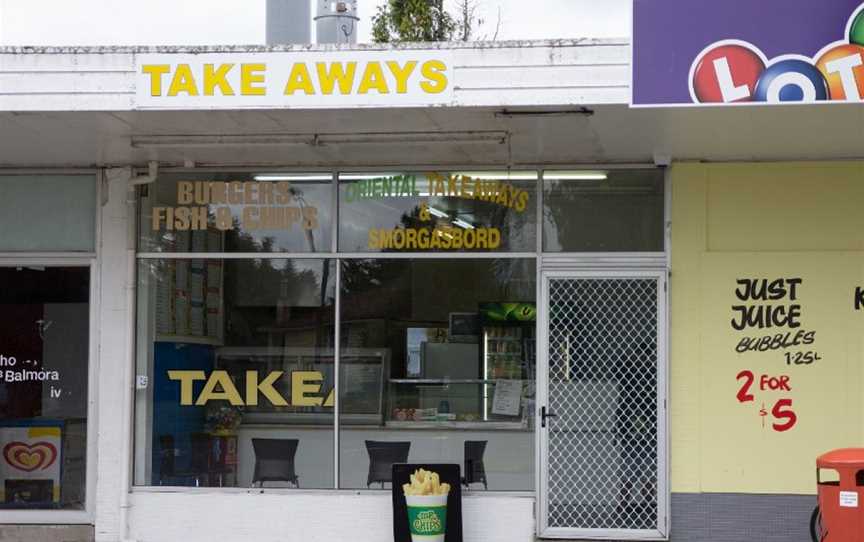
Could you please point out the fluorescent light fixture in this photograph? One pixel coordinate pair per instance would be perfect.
(576, 175)
(462, 224)
(366, 176)
(439, 214)
(499, 175)
(289, 177)
(496, 137)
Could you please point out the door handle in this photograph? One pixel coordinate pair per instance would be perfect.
(544, 414)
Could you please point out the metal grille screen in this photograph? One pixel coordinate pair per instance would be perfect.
(602, 444)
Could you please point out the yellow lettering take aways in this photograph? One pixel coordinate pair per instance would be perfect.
(335, 78)
(306, 389)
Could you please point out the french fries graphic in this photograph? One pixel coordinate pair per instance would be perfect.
(424, 482)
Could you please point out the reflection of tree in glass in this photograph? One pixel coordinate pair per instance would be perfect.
(364, 275)
(515, 278)
(558, 213)
(254, 288)
(412, 219)
(375, 288)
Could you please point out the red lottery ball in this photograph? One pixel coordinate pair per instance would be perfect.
(727, 73)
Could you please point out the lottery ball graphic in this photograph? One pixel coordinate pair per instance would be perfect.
(791, 80)
(856, 32)
(742, 64)
(844, 61)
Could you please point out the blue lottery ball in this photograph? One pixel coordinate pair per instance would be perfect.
(791, 80)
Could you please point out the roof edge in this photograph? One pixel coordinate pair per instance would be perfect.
(200, 49)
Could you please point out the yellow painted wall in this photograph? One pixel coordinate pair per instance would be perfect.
(764, 221)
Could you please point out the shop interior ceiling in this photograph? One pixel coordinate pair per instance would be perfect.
(392, 137)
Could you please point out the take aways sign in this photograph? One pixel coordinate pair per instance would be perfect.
(307, 389)
(688, 52)
(294, 79)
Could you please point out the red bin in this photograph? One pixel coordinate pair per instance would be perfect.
(840, 476)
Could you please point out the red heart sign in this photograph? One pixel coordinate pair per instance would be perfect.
(30, 457)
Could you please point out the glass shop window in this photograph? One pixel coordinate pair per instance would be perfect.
(42, 213)
(457, 337)
(438, 212)
(603, 211)
(236, 212)
(235, 371)
(44, 353)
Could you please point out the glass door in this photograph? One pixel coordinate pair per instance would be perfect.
(44, 376)
(602, 420)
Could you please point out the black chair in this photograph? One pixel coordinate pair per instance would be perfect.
(475, 469)
(382, 455)
(274, 460)
(198, 459)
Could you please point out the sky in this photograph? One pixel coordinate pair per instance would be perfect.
(242, 22)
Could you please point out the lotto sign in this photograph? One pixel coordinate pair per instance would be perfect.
(705, 52)
(30, 464)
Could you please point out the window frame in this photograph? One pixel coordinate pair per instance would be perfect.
(542, 259)
(101, 194)
(85, 516)
(90, 260)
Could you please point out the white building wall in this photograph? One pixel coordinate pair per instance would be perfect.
(497, 74)
(65, 79)
(308, 517)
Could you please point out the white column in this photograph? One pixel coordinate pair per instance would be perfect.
(114, 366)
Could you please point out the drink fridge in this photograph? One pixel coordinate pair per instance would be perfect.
(507, 357)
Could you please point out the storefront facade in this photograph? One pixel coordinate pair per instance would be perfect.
(462, 247)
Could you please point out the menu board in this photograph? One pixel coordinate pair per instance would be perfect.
(361, 381)
(507, 398)
(189, 293)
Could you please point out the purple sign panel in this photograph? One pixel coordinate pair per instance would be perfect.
(711, 52)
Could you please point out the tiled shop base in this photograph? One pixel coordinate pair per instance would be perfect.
(723, 517)
(46, 533)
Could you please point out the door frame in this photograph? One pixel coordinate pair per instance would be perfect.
(85, 516)
(627, 267)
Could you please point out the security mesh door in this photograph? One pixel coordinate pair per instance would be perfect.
(601, 426)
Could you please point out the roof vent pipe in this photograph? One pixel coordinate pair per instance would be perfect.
(336, 21)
